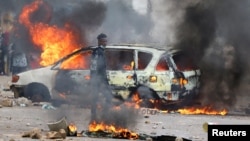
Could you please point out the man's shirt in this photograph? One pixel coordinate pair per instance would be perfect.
(98, 62)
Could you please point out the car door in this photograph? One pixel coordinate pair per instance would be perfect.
(164, 74)
(120, 68)
(73, 74)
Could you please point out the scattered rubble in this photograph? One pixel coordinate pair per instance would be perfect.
(22, 101)
(6, 102)
(61, 134)
(34, 134)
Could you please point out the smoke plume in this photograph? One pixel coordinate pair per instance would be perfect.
(215, 34)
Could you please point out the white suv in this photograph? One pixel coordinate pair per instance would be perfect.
(153, 73)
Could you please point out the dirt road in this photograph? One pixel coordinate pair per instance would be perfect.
(17, 119)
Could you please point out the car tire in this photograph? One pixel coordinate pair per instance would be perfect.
(37, 92)
(146, 95)
(17, 92)
(192, 99)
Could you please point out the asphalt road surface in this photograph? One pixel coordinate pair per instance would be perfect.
(17, 119)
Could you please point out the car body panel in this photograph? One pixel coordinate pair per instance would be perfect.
(122, 76)
(41, 75)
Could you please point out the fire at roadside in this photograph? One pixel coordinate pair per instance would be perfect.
(64, 127)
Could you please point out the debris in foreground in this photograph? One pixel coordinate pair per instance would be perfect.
(103, 134)
(55, 127)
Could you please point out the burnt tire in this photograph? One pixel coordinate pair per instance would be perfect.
(37, 92)
(192, 99)
(146, 95)
(18, 92)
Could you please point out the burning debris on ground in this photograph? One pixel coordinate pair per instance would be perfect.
(150, 122)
(200, 42)
(100, 130)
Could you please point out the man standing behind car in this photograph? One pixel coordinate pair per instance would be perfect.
(99, 82)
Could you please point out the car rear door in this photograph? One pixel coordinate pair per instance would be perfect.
(120, 64)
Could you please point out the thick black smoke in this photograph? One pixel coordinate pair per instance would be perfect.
(215, 33)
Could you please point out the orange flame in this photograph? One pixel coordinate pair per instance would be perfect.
(122, 132)
(54, 42)
(72, 127)
(129, 67)
(135, 102)
(205, 110)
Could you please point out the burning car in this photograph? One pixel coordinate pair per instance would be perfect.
(151, 73)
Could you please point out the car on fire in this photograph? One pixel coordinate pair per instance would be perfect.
(151, 72)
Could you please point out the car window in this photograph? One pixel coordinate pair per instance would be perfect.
(184, 62)
(120, 59)
(77, 61)
(143, 60)
(162, 65)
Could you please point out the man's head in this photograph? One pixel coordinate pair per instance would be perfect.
(102, 39)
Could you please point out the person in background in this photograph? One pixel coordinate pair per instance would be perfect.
(34, 60)
(4, 50)
(1, 53)
(99, 82)
(19, 62)
(7, 20)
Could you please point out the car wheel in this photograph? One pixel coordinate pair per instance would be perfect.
(191, 100)
(17, 92)
(146, 95)
(37, 92)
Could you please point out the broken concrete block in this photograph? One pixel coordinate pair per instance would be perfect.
(34, 134)
(63, 133)
(23, 101)
(54, 135)
(56, 126)
(6, 103)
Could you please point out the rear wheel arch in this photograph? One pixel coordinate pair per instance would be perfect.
(37, 92)
(144, 92)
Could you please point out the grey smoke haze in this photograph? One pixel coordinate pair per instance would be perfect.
(206, 29)
(117, 19)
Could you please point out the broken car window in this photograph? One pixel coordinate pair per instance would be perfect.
(184, 62)
(143, 60)
(79, 61)
(162, 64)
(119, 59)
